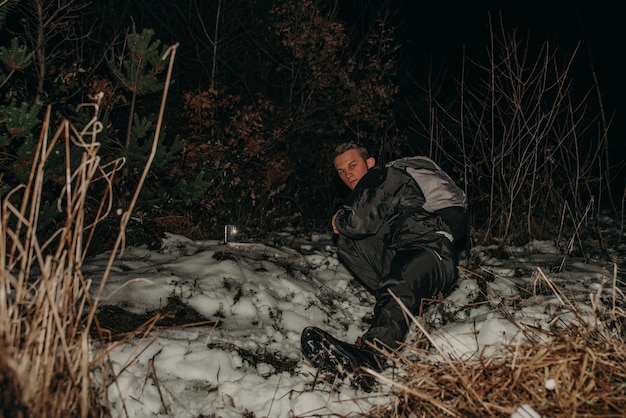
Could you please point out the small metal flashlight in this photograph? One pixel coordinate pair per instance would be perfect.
(230, 232)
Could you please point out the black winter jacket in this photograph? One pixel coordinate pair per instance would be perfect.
(387, 203)
(382, 215)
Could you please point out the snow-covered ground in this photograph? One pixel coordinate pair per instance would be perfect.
(261, 295)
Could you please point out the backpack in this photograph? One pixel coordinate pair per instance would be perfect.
(439, 189)
(443, 196)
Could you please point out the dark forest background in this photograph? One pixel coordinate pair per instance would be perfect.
(517, 103)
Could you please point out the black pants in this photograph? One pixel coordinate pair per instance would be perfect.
(410, 274)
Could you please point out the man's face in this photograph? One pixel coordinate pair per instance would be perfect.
(351, 166)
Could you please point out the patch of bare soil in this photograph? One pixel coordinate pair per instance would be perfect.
(118, 323)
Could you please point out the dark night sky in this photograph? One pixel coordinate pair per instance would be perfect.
(436, 33)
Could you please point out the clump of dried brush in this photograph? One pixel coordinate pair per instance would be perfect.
(49, 366)
(575, 369)
(45, 352)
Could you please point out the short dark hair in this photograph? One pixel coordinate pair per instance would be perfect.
(347, 146)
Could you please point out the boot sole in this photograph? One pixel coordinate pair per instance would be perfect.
(331, 355)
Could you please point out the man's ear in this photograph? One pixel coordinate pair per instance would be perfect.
(371, 162)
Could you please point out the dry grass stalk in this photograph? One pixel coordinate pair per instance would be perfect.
(46, 361)
(578, 370)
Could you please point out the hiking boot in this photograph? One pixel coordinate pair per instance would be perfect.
(329, 354)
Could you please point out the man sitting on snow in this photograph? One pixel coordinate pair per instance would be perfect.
(392, 244)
